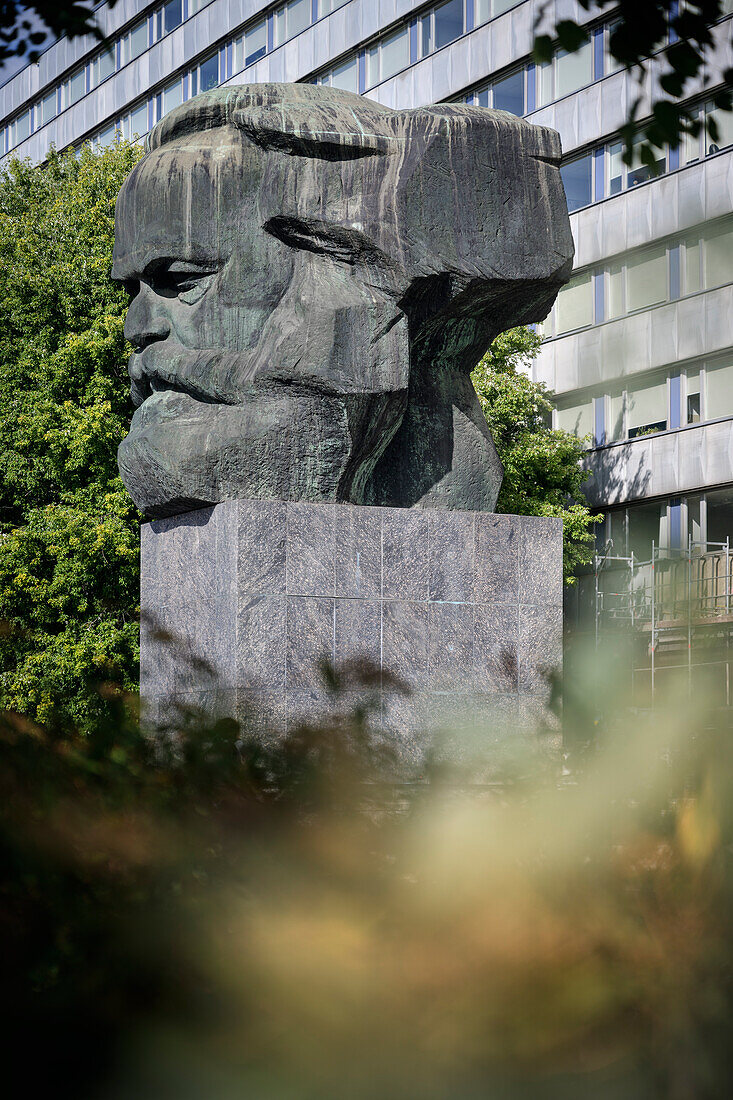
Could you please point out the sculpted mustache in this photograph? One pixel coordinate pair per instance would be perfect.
(215, 376)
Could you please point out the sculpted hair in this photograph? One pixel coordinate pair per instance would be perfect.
(280, 117)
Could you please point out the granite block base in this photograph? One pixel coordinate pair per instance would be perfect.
(441, 625)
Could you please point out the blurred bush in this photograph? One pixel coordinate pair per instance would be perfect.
(189, 915)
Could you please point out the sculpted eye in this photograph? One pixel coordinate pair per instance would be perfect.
(178, 280)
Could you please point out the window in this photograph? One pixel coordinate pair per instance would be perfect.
(565, 73)
(622, 176)
(692, 265)
(573, 70)
(345, 76)
(616, 426)
(135, 124)
(47, 108)
(646, 524)
(724, 122)
(719, 508)
(291, 19)
(171, 96)
(578, 419)
(19, 129)
(172, 15)
(106, 137)
(508, 94)
(389, 56)
(102, 66)
(646, 279)
(693, 410)
(577, 177)
(646, 408)
(196, 5)
(574, 307)
(325, 7)
(442, 25)
(718, 253)
(616, 296)
(73, 88)
(251, 46)
(719, 389)
(135, 41)
(207, 75)
(486, 9)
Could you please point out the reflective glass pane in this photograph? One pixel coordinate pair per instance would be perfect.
(107, 136)
(427, 34)
(448, 22)
(482, 98)
(646, 407)
(395, 52)
(573, 70)
(616, 306)
(638, 172)
(693, 282)
(645, 527)
(372, 76)
(195, 5)
(172, 96)
(47, 108)
(574, 308)
(482, 11)
(720, 515)
(718, 253)
(616, 168)
(325, 7)
(615, 429)
(346, 76)
(138, 122)
(172, 15)
(103, 67)
(718, 389)
(724, 120)
(509, 94)
(297, 17)
(75, 87)
(254, 43)
(503, 5)
(280, 27)
(577, 176)
(646, 279)
(690, 148)
(544, 84)
(21, 128)
(209, 73)
(578, 419)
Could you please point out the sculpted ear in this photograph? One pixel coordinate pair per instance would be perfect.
(324, 136)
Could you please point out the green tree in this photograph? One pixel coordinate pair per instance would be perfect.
(543, 469)
(68, 530)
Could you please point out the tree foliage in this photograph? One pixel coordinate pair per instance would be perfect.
(68, 531)
(21, 26)
(683, 32)
(543, 469)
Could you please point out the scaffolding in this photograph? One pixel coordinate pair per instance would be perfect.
(675, 609)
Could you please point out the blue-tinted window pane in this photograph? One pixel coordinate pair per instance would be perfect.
(172, 15)
(482, 98)
(577, 178)
(509, 94)
(209, 73)
(448, 22)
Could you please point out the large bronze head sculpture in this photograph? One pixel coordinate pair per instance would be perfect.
(313, 277)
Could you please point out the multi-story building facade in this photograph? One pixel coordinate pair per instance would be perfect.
(639, 346)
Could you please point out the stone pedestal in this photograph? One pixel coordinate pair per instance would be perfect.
(241, 602)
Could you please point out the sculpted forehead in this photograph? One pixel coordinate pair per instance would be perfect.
(189, 199)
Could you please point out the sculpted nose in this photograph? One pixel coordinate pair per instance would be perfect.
(146, 319)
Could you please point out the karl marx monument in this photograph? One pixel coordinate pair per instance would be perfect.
(313, 278)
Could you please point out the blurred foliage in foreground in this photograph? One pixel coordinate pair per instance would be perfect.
(196, 917)
(68, 530)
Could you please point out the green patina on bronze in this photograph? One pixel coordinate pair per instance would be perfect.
(314, 276)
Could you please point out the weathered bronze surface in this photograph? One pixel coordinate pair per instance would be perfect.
(314, 276)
